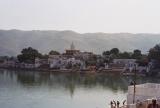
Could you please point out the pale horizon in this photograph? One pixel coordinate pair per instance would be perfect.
(82, 16)
(80, 32)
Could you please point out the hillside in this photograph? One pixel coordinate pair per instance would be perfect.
(13, 41)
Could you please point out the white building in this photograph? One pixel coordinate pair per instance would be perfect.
(128, 64)
(143, 92)
(58, 61)
(124, 61)
(40, 62)
(9, 63)
(54, 61)
(83, 55)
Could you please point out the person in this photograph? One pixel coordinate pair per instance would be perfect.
(139, 104)
(131, 83)
(153, 104)
(124, 102)
(114, 104)
(118, 103)
(111, 104)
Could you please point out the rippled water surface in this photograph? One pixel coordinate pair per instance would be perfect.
(27, 89)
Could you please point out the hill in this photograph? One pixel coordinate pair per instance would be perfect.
(13, 41)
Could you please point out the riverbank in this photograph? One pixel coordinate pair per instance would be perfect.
(113, 71)
(86, 71)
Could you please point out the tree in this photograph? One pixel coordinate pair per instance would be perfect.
(106, 53)
(52, 52)
(142, 62)
(28, 55)
(125, 55)
(45, 56)
(114, 51)
(136, 54)
(154, 53)
(106, 56)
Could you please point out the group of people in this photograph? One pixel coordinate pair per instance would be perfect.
(153, 104)
(115, 104)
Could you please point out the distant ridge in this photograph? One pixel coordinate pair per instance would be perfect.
(13, 41)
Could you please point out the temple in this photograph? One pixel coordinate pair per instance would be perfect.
(72, 50)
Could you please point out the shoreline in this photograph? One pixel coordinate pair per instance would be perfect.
(76, 71)
(69, 71)
(51, 70)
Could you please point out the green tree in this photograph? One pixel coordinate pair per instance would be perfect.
(106, 56)
(137, 54)
(154, 53)
(124, 55)
(28, 55)
(52, 52)
(114, 51)
(45, 56)
(142, 62)
(106, 53)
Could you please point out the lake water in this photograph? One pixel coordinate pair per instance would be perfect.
(27, 89)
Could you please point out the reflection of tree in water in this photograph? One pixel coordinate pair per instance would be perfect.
(113, 82)
(25, 78)
(7, 73)
(32, 78)
(73, 81)
(88, 81)
(70, 81)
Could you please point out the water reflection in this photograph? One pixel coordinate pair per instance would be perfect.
(84, 90)
(71, 81)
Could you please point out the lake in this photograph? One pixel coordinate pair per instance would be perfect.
(28, 89)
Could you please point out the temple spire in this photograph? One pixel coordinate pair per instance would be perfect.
(72, 46)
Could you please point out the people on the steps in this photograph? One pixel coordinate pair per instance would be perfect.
(124, 102)
(115, 104)
(153, 104)
(118, 103)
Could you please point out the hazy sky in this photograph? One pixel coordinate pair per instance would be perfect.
(135, 16)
